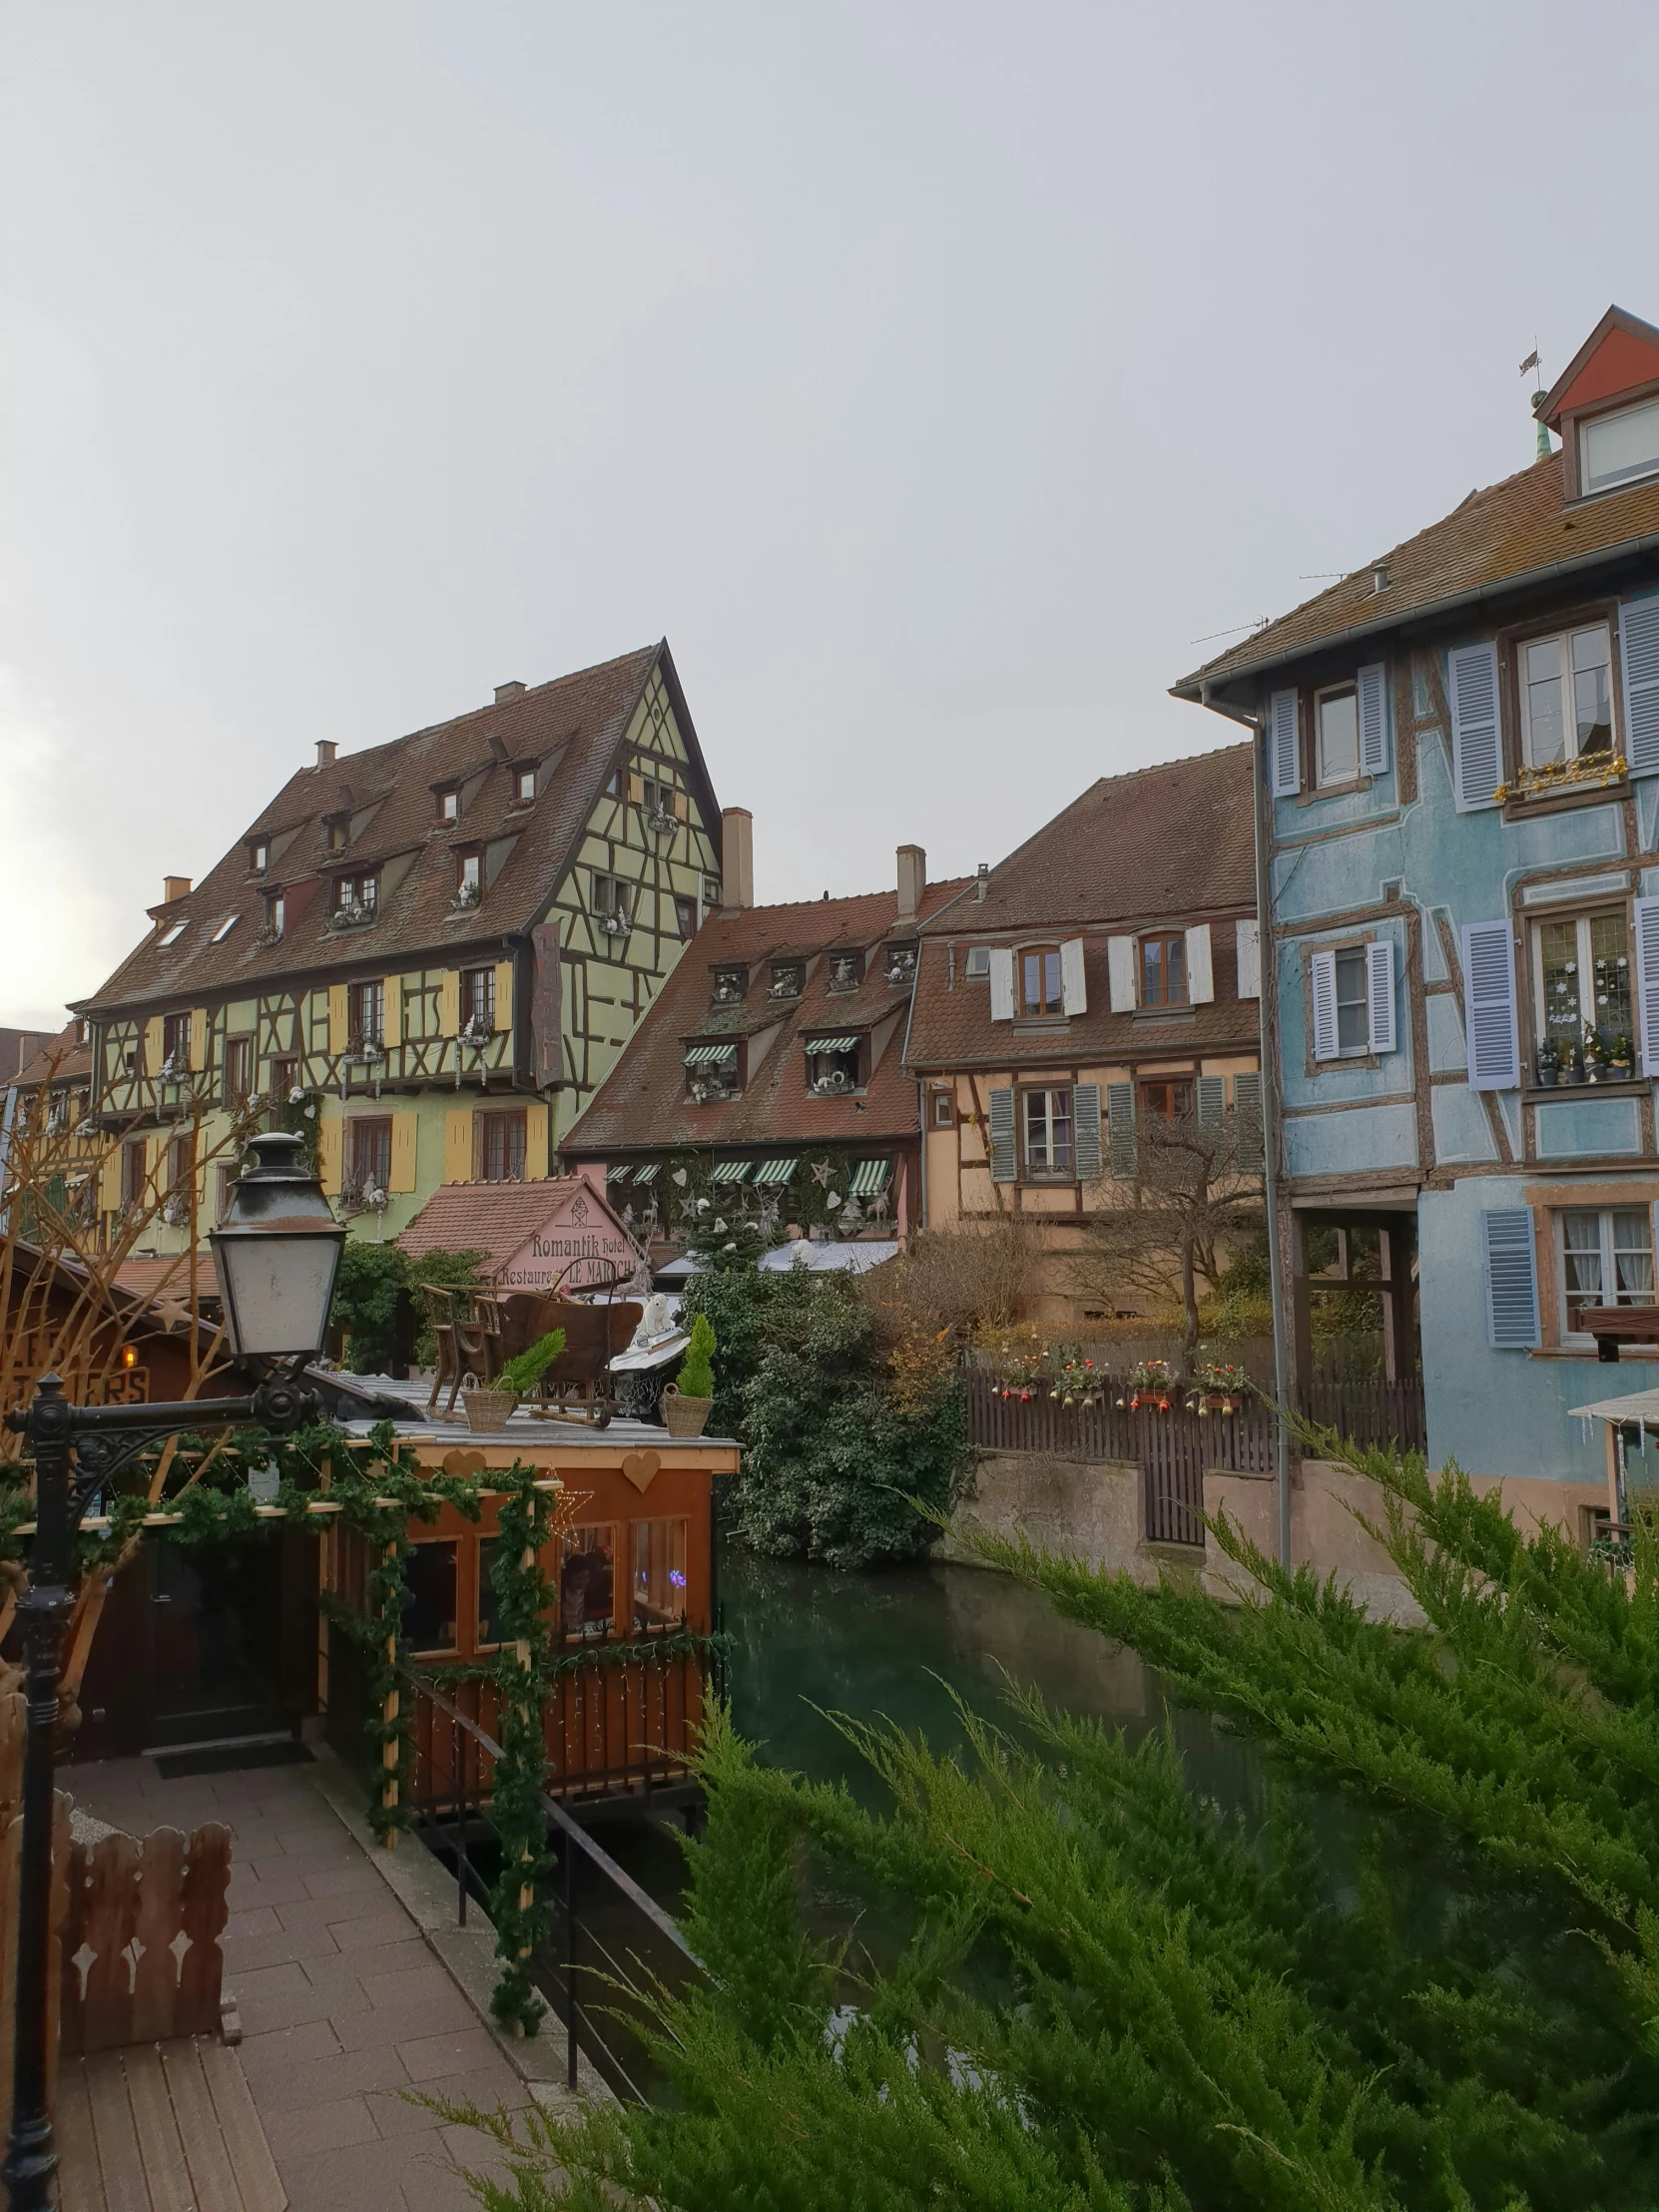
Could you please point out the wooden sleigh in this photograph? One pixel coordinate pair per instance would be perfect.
(578, 1386)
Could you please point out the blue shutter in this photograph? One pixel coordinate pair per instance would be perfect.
(1372, 683)
(1639, 652)
(1247, 1118)
(1284, 748)
(1490, 1006)
(1085, 1130)
(1646, 918)
(1476, 750)
(1005, 1161)
(1510, 1265)
(1120, 1129)
(1322, 985)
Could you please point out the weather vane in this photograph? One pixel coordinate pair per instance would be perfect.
(1531, 362)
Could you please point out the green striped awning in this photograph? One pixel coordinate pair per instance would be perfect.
(775, 1171)
(646, 1174)
(706, 1056)
(868, 1177)
(830, 1044)
(730, 1171)
(618, 1175)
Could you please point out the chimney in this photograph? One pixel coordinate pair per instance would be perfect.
(506, 691)
(326, 750)
(913, 880)
(983, 881)
(174, 886)
(737, 837)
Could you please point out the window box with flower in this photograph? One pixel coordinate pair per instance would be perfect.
(1149, 1385)
(1217, 1386)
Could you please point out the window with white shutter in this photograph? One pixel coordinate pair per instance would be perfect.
(1284, 746)
(1379, 995)
(1120, 1129)
(1321, 990)
(1490, 1006)
(1003, 983)
(1120, 973)
(1371, 684)
(1476, 748)
(1085, 1116)
(1075, 994)
(1004, 1150)
(1247, 939)
(1639, 652)
(1646, 915)
(1201, 977)
(1510, 1267)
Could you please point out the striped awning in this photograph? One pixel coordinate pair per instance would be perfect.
(618, 1175)
(730, 1171)
(706, 1056)
(868, 1177)
(775, 1171)
(830, 1044)
(646, 1174)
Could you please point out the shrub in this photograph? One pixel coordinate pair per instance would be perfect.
(697, 1375)
(525, 1372)
(366, 1304)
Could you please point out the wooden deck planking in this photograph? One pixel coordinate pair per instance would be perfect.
(158, 2132)
(79, 2181)
(239, 2121)
(205, 2152)
(167, 2127)
(120, 2170)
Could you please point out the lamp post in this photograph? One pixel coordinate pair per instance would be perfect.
(276, 1254)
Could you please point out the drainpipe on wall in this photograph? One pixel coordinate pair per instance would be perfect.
(1267, 1013)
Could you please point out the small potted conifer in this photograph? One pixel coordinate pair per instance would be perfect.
(688, 1403)
(489, 1411)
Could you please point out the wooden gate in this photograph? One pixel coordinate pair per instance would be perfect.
(1173, 1457)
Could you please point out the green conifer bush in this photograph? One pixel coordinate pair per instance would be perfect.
(697, 1373)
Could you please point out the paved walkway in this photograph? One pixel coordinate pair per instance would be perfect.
(343, 2005)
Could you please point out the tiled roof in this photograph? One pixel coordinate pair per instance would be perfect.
(573, 728)
(1517, 530)
(641, 1105)
(498, 1218)
(1173, 845)
(18, 1048)
(60, 1060)
(167, 1278)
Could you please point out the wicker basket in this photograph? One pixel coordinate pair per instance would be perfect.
(488, 1412)
(685, 1417)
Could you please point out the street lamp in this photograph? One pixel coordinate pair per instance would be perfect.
(276, 1254)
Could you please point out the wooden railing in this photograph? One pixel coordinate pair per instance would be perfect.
(1247, 1442)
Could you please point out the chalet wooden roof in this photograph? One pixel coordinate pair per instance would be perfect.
(499, 1219)
(572, 729)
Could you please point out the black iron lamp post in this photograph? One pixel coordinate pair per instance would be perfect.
(276, 1254)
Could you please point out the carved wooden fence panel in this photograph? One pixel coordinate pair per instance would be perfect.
(140, 1957)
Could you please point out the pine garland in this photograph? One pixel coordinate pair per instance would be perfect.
(519, 1906)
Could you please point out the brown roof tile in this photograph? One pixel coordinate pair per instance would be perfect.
(62, 1059)
(1512, 532)
(496, 1218)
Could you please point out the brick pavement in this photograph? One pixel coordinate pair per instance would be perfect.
(343, 2007)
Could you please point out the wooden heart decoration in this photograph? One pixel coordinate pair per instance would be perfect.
(640, 1467)
(464, 1463)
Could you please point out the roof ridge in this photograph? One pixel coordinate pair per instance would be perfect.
(497, 706)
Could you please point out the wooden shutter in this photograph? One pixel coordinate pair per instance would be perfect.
(391, 1017)
(449, 1002)
(1003, 983)
(546, 1005)
(1120, 1128)
(1201, 973)
(1247, 1118)
(1371, 684)
(1085, 1130)
(154, 1032)
(198, 1039)
(331, 1151)
(1477, 753)
(1490, 1006)
(1647, 981)
(1639, 653)
(109, 1180)
(457, 1145)
(1379, 995)
(1321, 991)
(1284, 746)
(536, 1167)
(680, 806)
(1212, 1101)
(1005, 1161)
(1247, 940)
(1510, 1265)
(339, 1021)
(1074, 993)
(406, 1144)
(503, 994)
(1120, 973)
(636, 787)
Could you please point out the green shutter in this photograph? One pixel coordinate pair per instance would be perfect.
(1120, 1136)
(1005, 1161)
(1212, 1101)
(1085, 1124)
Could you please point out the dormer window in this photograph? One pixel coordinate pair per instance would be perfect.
(524, 786)
(276, 917)
(449, 804)
(339, 830)
(832, 1066)
(469, 879)
(730, 985)
(788, 980)
(846, 970)
(1040, 988)
(1618, 448)
(710, 1072)
(259, 855)
(898, 966)
(354, 898)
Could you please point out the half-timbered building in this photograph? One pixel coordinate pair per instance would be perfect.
(432, 951)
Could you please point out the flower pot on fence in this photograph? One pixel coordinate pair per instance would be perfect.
(488, 1412)
(685, 1417)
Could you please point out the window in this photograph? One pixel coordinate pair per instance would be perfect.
(730, 984)
(1170, 1100)
(1567, 695)
(613, 789)
(659, 1575)
(449, 805)
(366, 1012)
(1606, 1260)
(524, 786)
(224, 931)
(832, 1066)
(846, 970)
(285, 1079)
(712, 1072)
(1048, 1132)
(655, 798)
(1040, 990)
(945, 1111)
(1617, 449)
(276, 915)
(477, 998)
(180, 1168)
(587, 1583)
(685, 917)
(259, 855)
(612, 903)
(355, 895)
(1164, 970)
(501, 1147)
(368, 1164)
(711, 894)
(1352, 1006)
(898, 966)
(1581, 980)
(174, 933)
(430, 1613)
(469, 879)
(1336, 735)
(176, 1040)
(978, 960)
(337, 832)
(239, 1067)
(788, 980)
(133, 1172)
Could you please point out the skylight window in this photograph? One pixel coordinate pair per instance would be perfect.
(224, 930)
(174, 933)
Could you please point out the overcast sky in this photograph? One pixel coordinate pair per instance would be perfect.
(934, 376)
